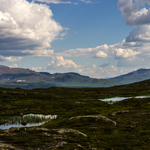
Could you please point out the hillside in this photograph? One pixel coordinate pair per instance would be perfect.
(135, 76)
(28, 79)
(72, 80)
(9, 70)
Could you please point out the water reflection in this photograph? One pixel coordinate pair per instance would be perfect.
(116, 99)
(26, 120)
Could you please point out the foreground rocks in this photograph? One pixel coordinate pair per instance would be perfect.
(61, 131)
(59, 136)
(96, 118)
(70, 131)
(119, 112)
(4, 146)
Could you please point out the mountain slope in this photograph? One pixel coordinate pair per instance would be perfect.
(28, 79)
(9, 70)
(71, 80)
(135, 76)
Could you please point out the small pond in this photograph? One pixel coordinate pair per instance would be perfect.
(28, 120)
(116, 99)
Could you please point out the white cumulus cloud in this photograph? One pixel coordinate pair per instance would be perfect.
(25, 25)
(139, 34)
(101, 54)
(39, 53)
(10, 58)
(86, 1)
(54, 1)
(60, 62)
(14, 66)
(133, 13)
(125, 53)
(38, 69)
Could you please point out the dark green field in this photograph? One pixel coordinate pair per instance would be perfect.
(84, 122)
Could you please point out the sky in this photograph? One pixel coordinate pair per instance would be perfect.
(97, 38)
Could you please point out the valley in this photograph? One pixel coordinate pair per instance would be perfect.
(83, 121)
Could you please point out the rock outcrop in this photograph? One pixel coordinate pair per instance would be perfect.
(119, 112)
(97, 118)
(4, 146)
(70, 131)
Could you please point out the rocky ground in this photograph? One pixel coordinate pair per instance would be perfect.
(84, 122)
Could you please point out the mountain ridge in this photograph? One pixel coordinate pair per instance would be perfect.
(26, 78)
(132, 77)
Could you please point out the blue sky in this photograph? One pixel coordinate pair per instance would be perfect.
(98, 38)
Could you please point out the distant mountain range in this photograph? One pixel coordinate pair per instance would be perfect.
(132, 77)
(28, 79)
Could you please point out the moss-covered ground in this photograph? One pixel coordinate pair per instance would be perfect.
(131, 132)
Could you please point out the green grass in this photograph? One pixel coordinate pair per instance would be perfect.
(131, 132)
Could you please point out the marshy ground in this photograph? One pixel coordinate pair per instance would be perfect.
(83, 123)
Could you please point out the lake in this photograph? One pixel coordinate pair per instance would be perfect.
(116, 99)
(28, 120)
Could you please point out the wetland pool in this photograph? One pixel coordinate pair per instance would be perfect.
(28, 120)
(116, 99)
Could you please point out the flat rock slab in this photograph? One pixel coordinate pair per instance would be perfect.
(70, 131)
(96, 117)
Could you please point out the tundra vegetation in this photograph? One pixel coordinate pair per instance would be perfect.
(83, 122)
